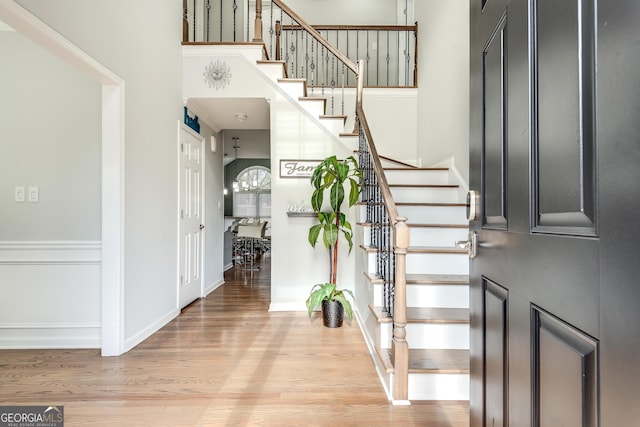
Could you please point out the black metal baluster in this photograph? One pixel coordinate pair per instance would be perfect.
(221, 21)
(367, 58)
(194, 21)
(305, 69)
(208, 22)
(235, 8)
(388, 58)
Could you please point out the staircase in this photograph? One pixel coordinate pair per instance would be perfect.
(437, 330)
(437, 271)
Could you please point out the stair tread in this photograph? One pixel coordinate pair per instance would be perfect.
(415, 169)
(312, 98)
(431, 205)
(437, 315)
(423, 225)
(333, 117)
(424, 250)
(430, 361)
(292, 80)
(454, 279)
(381, 316)
(433, 225)
(436, 250)
(427, 279)
(281, 63)
(426, 315)
(441, 361)
(424, 185)
(349, 134)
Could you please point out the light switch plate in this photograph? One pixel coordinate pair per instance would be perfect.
(34, 194)
(19, 194)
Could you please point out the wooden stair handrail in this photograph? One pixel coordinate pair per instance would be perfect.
(399, 345)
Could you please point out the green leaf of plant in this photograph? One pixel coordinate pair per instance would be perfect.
(316, 199)
(354, 192)
(337, 196)
(314, 232)
(346, 304)
(330, 234)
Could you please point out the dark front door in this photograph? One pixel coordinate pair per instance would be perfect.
(555, 161)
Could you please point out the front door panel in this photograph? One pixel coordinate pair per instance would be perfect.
(533, 153)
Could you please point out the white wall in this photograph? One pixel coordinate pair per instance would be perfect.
(443, 92)
(146, 54)
(50, 138)
(341, 12)
(213, 211)
(295, 265)
(49, 249)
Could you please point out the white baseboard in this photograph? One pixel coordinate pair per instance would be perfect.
(227, 267)
(150, 330)
(212, 287)
(49, 336)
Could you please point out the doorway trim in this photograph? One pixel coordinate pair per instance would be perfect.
(112, 174)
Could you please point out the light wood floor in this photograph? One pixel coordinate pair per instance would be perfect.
(226, 361)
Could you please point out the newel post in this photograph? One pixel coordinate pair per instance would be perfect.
(257, 33)
(399, 346)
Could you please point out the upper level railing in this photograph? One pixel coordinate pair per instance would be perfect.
(389, 231)
(389, 51)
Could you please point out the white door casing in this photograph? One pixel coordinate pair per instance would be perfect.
(190, 215)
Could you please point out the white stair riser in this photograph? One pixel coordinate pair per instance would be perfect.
(294, 89)
(335, 126)
(438, 387)
(409, 176)
(437, 263)
(424, 195)
(434, 214)
(452, 296)
(429, 236)
(386, 335)
(438, 335)
(391, 164)
(313, 106)
(428, 263)
(350, 141)
(273, 71)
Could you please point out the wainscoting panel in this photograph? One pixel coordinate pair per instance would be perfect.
(50, 294)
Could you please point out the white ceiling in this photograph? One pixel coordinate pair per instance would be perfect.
(221, 113)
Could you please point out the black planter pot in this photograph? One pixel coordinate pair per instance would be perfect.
(332, 314)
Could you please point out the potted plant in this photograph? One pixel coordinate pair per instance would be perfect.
(332, 176)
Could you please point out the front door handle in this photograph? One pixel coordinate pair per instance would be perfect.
(470, 245)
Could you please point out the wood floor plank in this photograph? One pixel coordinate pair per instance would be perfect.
(225, 361)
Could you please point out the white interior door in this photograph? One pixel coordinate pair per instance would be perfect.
(191, 216)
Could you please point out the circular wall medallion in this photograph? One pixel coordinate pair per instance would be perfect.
(217, 75)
